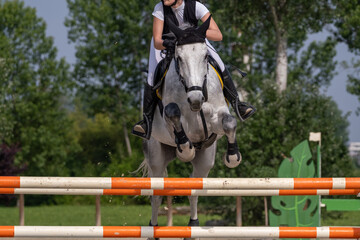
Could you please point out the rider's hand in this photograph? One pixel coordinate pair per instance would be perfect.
(169, 44)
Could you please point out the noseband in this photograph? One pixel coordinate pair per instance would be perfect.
(192, 88)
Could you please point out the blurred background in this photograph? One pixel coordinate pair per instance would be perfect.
(72, 73)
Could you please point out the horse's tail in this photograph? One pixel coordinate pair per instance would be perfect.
(144, 166)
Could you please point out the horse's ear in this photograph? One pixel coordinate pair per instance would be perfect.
(204, 27)
(175, 29)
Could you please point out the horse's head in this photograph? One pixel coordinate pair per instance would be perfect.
(191, 61)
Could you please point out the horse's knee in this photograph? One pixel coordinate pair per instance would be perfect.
(172, 112)
(229, 123)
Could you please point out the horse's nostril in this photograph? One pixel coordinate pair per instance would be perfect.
(189, 101)
(203, 99)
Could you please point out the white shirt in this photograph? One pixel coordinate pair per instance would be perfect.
(200, 11)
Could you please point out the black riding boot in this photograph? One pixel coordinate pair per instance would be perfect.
(243, 110)
(143, 128)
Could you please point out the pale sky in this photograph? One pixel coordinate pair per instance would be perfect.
(55, 11)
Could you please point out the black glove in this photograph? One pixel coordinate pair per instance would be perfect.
(169, 44)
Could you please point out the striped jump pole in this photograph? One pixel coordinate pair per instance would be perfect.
(180, 232)
(179, 183)
(180, 192)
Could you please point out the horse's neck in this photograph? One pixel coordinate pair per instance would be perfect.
(214, 83)
(173, 90)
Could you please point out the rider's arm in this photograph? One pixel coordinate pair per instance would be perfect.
(213, 33)
(158, 26)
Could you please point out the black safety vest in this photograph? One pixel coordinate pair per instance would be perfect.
(189, 15)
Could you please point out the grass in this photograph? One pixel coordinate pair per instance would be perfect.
(351, 218)
(124, 216)
(85, 216)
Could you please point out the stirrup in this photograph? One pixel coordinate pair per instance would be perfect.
(138, 131)
(238, 104)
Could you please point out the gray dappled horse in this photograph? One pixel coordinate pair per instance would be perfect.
(195, 115)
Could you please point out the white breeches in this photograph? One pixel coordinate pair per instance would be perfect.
(156, 56)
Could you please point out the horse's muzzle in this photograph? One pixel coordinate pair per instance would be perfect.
(196, 100)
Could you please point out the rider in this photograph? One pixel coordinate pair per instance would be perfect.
(180, 11)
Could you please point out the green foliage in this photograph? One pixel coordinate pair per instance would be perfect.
(353, 84)
(296, 211)
(33, 86)
(250, 28)
(112, 39)
(103, 151)
(347, 22)
(315, 66)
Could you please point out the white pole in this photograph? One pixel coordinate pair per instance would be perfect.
(180, 183)
(182, 192)
(178, 232)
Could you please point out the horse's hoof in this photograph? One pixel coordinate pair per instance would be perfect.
(187, 154)
(232, 161)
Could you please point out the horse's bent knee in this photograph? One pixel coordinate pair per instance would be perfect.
(172, 111)
(229, 123)
(173, 114)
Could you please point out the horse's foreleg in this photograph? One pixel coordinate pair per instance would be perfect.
(155, 204)
(232, 157)
(185, 150)
(202, 164)
(158, 156)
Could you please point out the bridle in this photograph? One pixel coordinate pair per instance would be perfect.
(192, 88)
(208, 139)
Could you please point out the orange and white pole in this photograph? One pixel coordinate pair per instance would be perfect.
(179, 232)
(179, 183)
(179, 192)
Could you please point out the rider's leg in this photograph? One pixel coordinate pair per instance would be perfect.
(243, 110)
(143, 127)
